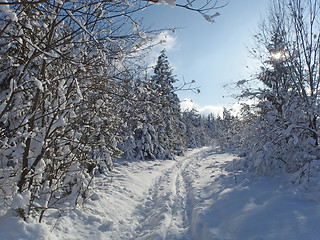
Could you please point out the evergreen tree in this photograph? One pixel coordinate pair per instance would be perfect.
(199, 130)
(283, 134)
(170, 128)
(153, 119)
(227, 130)
(140, 114)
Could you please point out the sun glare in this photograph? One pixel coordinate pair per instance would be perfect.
(277, 55)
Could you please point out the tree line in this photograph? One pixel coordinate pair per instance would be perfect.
(75, 94)
(279, 132)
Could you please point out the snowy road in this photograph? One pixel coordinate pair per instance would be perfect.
(171, 206)
(151, 200)
(199, 196)
(164, 213)
(167, 211)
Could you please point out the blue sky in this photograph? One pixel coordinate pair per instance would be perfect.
(211, 54)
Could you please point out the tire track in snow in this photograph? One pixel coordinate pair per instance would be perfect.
(165, 213)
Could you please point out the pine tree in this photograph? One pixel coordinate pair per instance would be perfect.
(283, 135)
(170, 128)
(154, 129)
(140, 113)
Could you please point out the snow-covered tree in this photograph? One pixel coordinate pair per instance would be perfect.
(283, 135)
(153, 124)
(58, 71)
(227, 130)
(62, 65)
(140, 136)
(169, 126)
(199, 130)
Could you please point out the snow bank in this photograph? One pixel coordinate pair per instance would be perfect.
(198, 196)
(230, 206)
(12, 228)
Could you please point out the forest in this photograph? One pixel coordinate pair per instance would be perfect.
(76, 95)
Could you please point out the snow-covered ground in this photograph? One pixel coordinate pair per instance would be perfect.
(197, 196)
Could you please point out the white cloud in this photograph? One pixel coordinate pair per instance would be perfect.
(237, 106)
(216, 110)
(163, 40)
(167, 40)
(188, 104)
(147, 51)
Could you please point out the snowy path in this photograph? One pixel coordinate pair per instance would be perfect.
(196, 197)
(171, 206)
(165, 212)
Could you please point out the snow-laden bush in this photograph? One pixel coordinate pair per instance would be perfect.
(58, 122)
(276, 143)
(283, 135)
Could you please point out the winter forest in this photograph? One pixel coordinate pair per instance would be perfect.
(80, 105)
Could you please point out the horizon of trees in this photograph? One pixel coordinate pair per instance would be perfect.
(280, 132)
(73, 89)
(75, 95)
